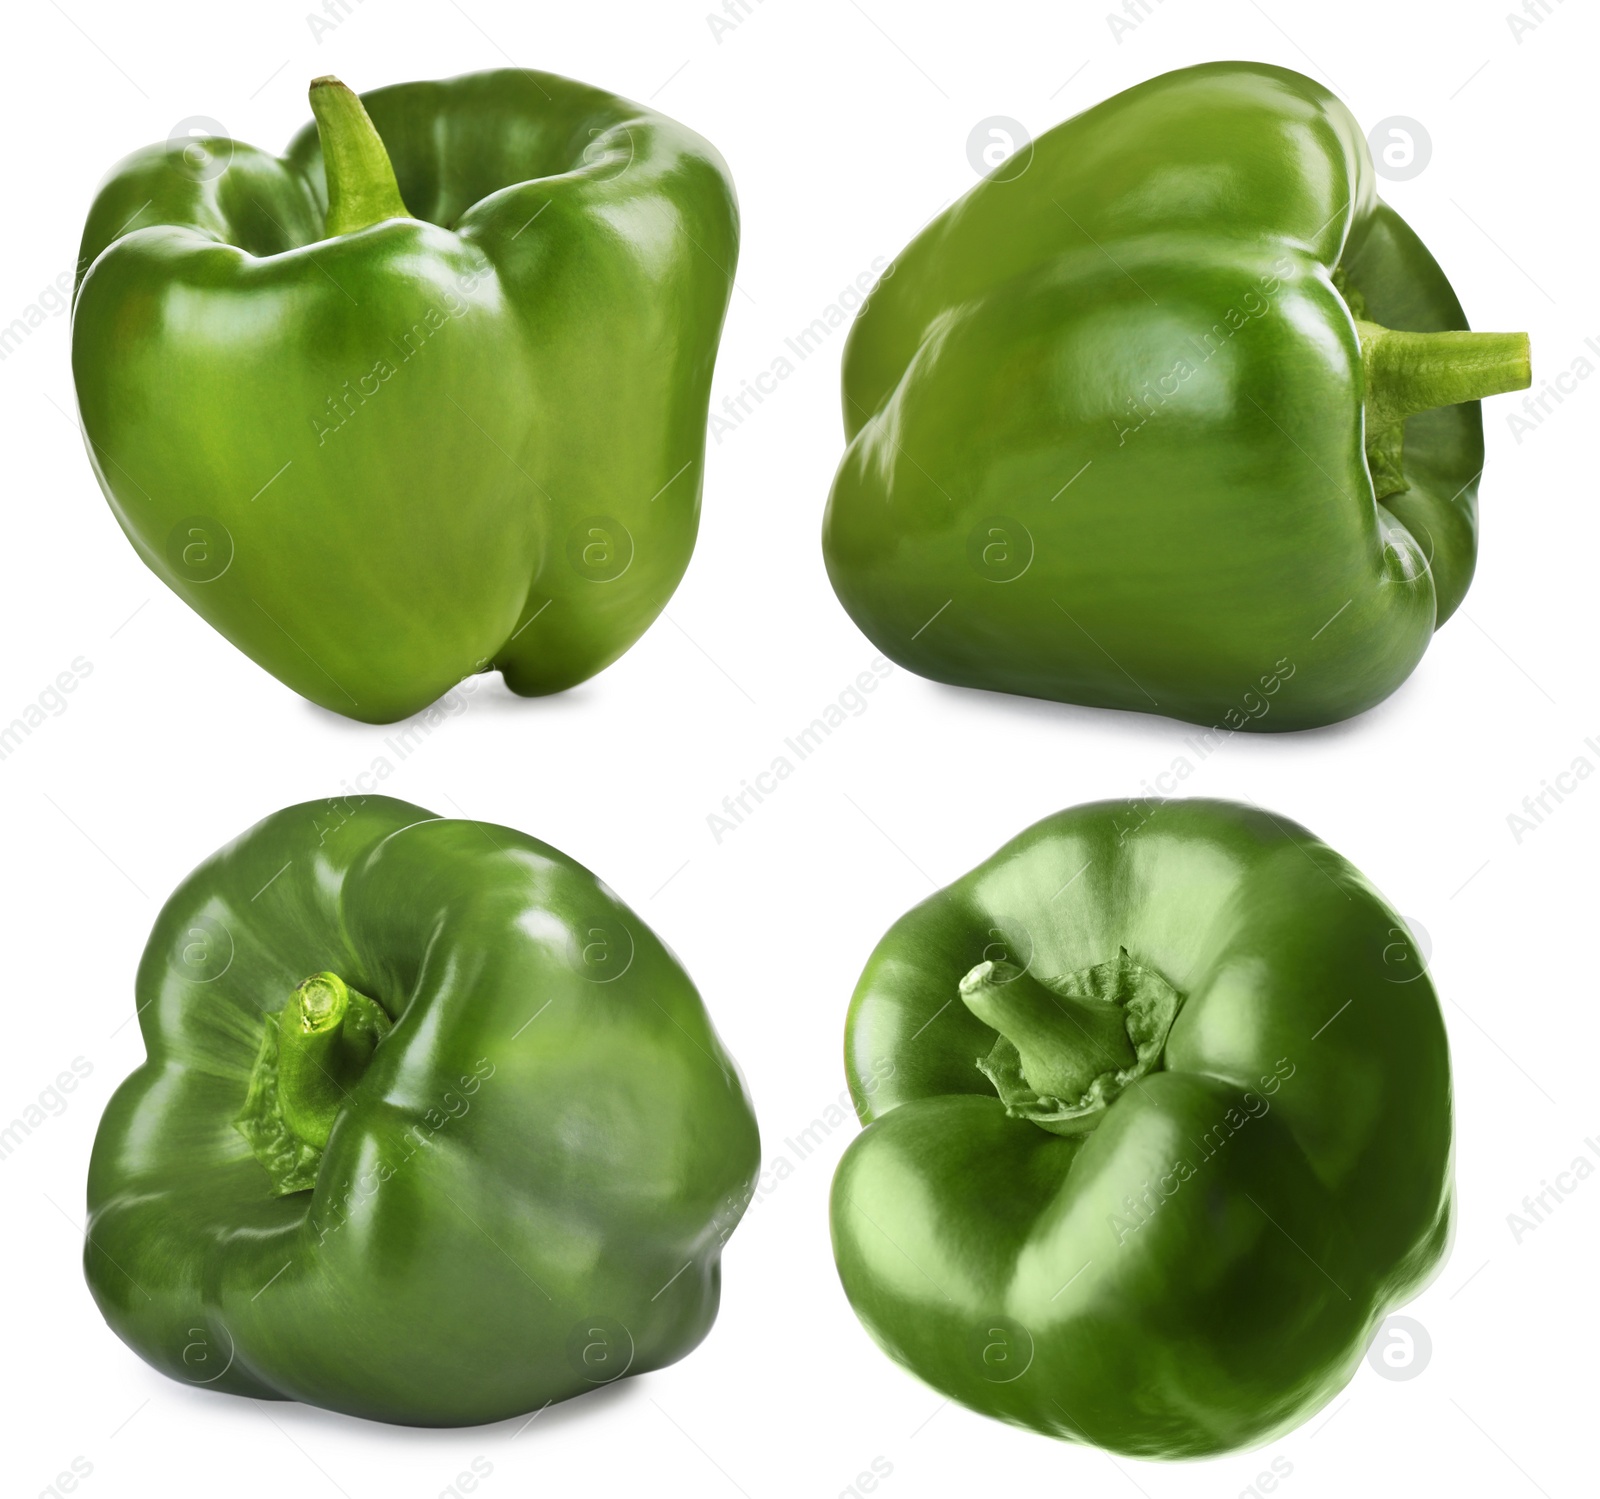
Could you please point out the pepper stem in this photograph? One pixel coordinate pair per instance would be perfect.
(310, 1090)
(1407, 373)
(1063, 1043)
(1067, 1049)
(362, 190)
(312, 1052)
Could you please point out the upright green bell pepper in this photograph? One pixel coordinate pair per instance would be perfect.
(384, 427)
(1133, 423)
(432, 1130)
(1158, 1128)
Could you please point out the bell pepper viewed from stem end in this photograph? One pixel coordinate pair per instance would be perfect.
(1170, 413)
(455, 347)
(432, 1129)
(1158, 1201)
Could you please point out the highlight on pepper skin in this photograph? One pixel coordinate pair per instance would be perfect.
(422, 398)
(432, 1128)
(1176, 401)
(1164, 1135)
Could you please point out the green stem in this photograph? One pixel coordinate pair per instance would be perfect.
(1412, 372)
(1067, 1049)
(362, 190)
(1407, 373)
(1063, 1043)
(312, 1053)
(310, 1027)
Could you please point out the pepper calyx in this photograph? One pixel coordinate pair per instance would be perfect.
(1067, 1048)
(311, 1052)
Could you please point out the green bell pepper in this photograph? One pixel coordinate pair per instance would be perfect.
(1132, 423)
(384, 427)
(433, 1129)
(1158, 1128)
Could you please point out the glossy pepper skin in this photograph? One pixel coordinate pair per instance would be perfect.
(454, 421)
(432, 1130)
(1169, 1249)
(1125, 422)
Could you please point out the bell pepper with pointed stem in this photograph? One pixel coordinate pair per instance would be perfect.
(424, 397)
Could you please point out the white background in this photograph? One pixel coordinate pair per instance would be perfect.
(846, 127)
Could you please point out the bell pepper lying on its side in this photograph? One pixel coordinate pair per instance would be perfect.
(1170, 413)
